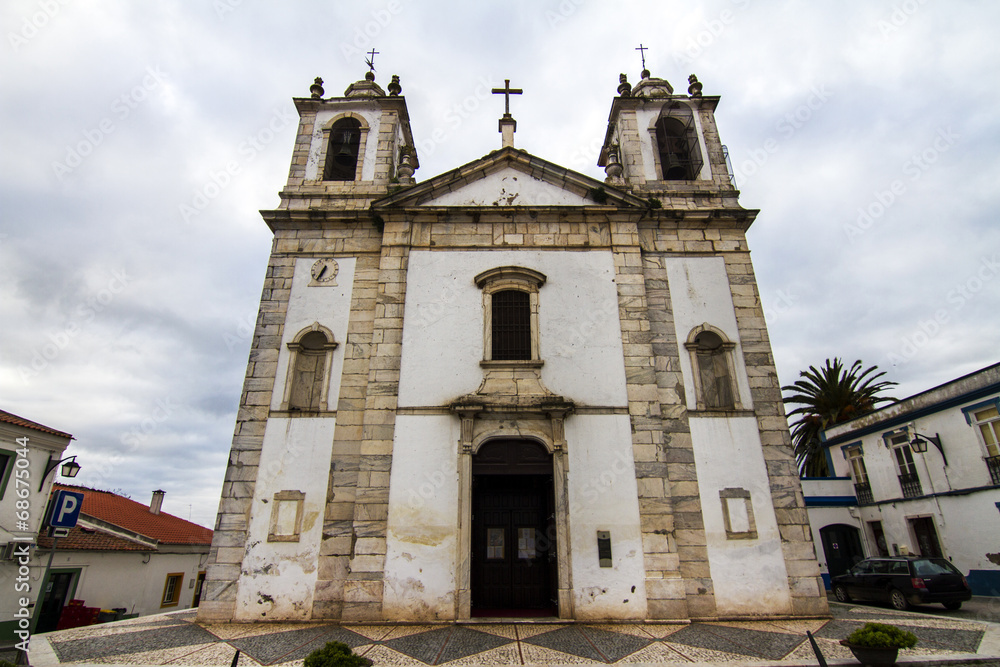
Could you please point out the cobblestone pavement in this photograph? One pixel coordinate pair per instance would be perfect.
(175, 639)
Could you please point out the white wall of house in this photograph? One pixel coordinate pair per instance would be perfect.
(134, 580)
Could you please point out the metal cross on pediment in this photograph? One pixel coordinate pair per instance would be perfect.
(371, 61)
(507, 91)
(642, 53)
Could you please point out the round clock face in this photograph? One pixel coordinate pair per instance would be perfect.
(324, 270)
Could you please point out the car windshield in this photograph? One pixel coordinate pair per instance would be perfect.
(930, 567)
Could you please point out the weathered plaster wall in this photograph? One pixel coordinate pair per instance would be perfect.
(278, 578)
(579, 335)
(510, 187)
(749, 574)
(603, 496)
(421, 543)
(700, 293)
(330, 305)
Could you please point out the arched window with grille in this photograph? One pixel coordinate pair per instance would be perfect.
(343, 150)
(307, 383)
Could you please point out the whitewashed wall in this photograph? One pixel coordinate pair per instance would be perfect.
(511, 187)
(422, 541)
(579, 334)
(278, 578)
(603, 496)
(330, 305)
(749, 575)
(699, 294)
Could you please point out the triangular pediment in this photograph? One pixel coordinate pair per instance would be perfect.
(510, 177)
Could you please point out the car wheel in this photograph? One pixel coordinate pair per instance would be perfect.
(841, 593)
(898, 600)
(952, 606)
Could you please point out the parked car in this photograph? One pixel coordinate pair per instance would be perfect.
(903, 581)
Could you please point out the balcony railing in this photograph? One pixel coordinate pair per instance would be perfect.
(993, 463)
(864, 493)
(911, 485)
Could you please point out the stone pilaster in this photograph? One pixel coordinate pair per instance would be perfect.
(364, 585)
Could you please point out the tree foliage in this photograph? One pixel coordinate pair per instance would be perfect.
(828, 396)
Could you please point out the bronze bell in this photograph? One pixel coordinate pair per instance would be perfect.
(674, 170)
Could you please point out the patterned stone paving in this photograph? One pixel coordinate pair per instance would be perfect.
(177, 640)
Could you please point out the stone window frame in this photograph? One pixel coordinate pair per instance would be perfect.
(504, 278)
(725, 495)
(728, 349)
(298, 497)
(992, 423)
(325, 145)
(852, 452)
(294, 348)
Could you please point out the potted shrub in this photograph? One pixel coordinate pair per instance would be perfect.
(878, 643)
(336, 654)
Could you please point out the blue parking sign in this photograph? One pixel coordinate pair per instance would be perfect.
(65, 509)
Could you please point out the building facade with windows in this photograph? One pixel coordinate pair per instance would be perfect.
(121, 555)
(510, 389)
(920, 476)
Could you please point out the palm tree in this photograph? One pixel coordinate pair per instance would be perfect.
(829, 396)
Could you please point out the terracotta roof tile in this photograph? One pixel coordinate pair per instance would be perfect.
(128, 514)
(11, 418)
(93, 540)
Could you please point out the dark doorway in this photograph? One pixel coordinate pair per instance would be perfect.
(842, 546)
(879, 535)
(198, 585)
(58, 591)
(927, 540)
(513, 531)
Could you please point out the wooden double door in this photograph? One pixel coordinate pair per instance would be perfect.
(513, 533)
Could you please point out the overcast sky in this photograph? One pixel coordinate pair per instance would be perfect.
(131, 263)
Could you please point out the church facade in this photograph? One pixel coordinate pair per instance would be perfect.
(510, 389)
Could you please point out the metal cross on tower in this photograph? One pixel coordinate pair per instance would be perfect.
(507, 91)
(371, 61)
(642, 53)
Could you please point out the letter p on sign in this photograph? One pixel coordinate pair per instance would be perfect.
(66, 509)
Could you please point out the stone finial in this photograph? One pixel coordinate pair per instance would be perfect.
(694, 90)
(369, 75)
(317, 88)
(645, 74)
(614, 168)
(394, 87)
(624, 89)
(405, 167)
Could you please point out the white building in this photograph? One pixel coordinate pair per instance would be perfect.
(920, 476)
(29, 456)
(122, 555)
(510, 389)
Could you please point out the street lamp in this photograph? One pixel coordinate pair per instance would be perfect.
(919, 444)
(70, 468)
